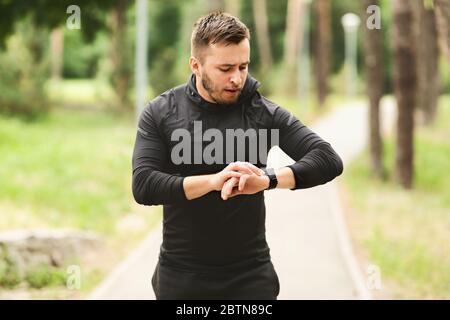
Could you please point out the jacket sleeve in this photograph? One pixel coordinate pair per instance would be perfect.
(316, 161)
(150, 184)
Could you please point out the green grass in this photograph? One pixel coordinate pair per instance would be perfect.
(70, 169)
(91, 93)
(79, 91)
(406, 233)
(44, 277)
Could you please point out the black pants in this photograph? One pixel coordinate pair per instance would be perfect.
(258, 283)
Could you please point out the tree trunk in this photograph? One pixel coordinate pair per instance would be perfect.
(292, 35)
(428, 60)
(322, 48)
(57, 48)
(121, 76)
(405, 83)
(373, 59)
(262, 34)
(442, 12)
(294, 30)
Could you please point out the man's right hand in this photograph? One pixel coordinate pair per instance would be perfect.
(197, 186)
(234, 170)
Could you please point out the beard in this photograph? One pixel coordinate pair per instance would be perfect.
(216, 93)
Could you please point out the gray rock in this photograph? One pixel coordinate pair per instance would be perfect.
(27, 249)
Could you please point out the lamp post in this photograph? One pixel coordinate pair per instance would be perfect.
(350, 22)
(141, 55)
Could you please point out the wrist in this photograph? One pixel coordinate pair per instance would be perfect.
(265, 182)
(212, 182)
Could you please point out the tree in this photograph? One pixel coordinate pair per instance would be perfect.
(292, 42)
(262, 34)
(51, 14)
(163, 53)
(405, 84)
(121, 77)
(428, 60)
(24, 66)
(57, 47)
(323, 13)
(442, 10)
(373, 60)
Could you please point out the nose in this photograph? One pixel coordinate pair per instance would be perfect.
(236, 79)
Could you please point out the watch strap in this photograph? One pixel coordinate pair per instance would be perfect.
(273, 181)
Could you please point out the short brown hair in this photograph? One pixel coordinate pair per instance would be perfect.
(217, 27)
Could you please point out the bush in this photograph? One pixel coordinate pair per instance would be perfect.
(25, 67)
(163, 73)
(44, 277)
(80, 58)
(9, 276)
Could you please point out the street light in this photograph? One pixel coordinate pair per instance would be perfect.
(351, 22)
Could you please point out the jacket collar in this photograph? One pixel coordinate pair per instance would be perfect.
(250, 87)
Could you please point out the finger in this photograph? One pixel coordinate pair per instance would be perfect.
(255, 169)
(227, 191)
(229, 166)
(234, 193)
(233, 183)
(231, 174)
(242, 181)
(228, 187)
(247, 167)
(239, 166)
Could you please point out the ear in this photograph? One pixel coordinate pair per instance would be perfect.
(195, 65)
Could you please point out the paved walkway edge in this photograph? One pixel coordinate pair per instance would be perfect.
(138, 253)
(345, 245)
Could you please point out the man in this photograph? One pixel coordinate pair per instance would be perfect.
(214, 244)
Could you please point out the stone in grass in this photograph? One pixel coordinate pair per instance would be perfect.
(22, 251)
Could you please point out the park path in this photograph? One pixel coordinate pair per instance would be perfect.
(306, 231)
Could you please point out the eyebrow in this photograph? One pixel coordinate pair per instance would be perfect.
(232, 65)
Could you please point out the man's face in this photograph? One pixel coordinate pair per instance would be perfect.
(222, 75)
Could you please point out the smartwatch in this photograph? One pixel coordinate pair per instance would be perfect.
(273, 181)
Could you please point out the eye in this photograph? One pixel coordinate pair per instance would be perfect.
(242, 67)
(224, 70)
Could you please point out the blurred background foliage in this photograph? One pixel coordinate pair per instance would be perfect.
(103, 48)
(67, 122)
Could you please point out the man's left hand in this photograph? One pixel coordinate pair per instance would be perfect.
(246, 184)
